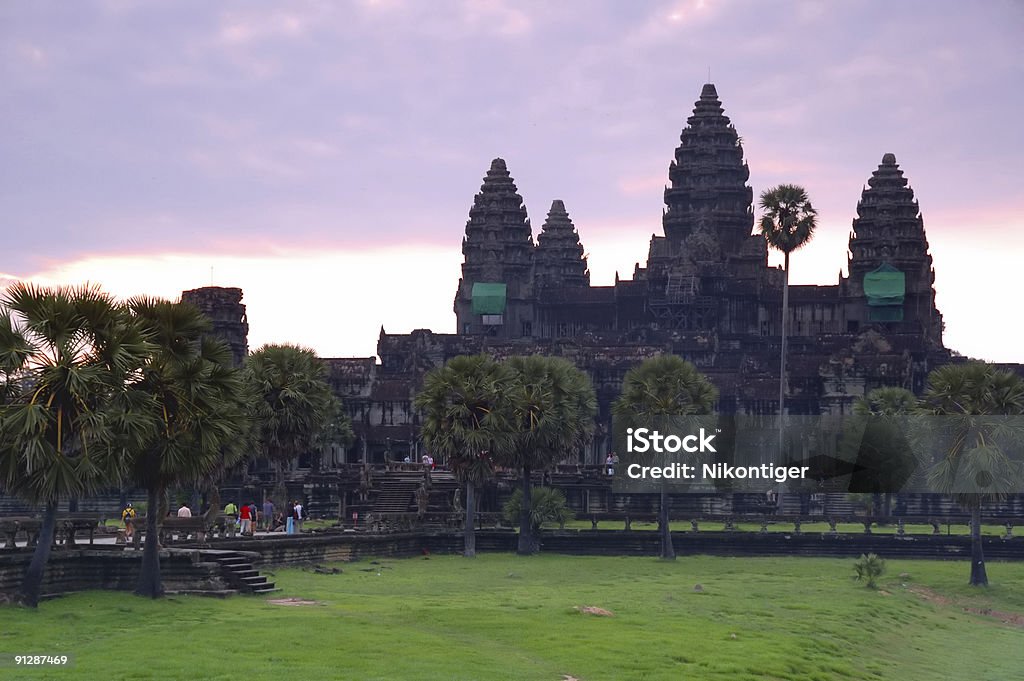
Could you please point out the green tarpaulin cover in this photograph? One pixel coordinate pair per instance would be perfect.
(488, 298)
(885, 286)
(886, 314)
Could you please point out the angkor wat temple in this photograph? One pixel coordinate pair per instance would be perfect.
(706, 293)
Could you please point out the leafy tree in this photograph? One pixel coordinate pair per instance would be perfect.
(65, 354)
(885, 460)
(787, 224)
(548, 506)
(295, 409)
(553, 407)
(467, 421)
(975, 400)
(199, 409)
(661, 388)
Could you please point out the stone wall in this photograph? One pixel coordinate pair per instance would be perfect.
(80, 570)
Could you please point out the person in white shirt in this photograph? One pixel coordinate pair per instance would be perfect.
(299, 516)
(184, 512)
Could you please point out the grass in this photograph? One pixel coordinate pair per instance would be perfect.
(505, 617)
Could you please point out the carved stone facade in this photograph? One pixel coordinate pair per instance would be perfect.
(225, 309)
(706, 293)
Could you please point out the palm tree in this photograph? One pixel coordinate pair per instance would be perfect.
(553, 405)
(787, 224)
(65, 354)
(975, 399)
(296, 410)
(198, 405)
(659, 389)
(466, 420)
(885, 460)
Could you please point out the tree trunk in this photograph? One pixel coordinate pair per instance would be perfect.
(782, 381)
(526, 542)
(668, 552)
(150, 584)
(978, 574)
(33, 585)
(469, 530)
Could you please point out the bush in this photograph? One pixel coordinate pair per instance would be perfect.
(547, 506)
(869, 568)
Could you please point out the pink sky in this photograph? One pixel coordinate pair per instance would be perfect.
(324, 156)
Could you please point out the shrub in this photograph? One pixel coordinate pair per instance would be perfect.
(547, 506)
(869, 568)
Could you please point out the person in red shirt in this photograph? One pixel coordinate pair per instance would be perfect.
(246, 516)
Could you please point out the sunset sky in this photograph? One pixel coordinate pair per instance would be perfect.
(323, 156)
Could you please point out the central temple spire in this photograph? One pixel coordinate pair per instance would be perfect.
(708, 198)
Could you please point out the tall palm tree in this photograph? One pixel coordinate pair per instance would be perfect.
(467, 421)
(553, 407)
(65, 354)
(296, 411)
(659, 389)
(198, 405)
(975, 400)
(787, 224)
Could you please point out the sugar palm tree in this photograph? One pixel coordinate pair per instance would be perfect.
(660, 389)
(553, 408)
(466, 421)
(787, 224)
(198, 405)
(65, 354)
(296, 411)
(975, 400)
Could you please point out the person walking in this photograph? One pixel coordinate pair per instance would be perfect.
(230, 518)
(268, 514)
(290, 518)
(299, 516)
(245, 515)
(128, 518)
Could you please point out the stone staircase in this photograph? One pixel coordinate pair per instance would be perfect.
(239, 572)
(397, 491)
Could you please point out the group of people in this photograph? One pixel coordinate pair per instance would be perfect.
(610, 462)
(249, 518)
(245, 519)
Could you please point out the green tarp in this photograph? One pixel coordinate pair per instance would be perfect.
(489, 298)
(885, 286)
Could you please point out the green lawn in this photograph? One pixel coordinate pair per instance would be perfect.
(505, 617)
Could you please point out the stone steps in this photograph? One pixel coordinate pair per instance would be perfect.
(240, 573)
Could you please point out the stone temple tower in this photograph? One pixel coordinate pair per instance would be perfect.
(225, 309)
(495, 294)
(891, 279)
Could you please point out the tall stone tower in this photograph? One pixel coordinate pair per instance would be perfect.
(891, 279)
(225, 309)
(496, 289)
(708, 253)
(709, 195)
(559, 259)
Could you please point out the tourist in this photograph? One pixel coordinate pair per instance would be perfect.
(128, 518)
(245, 516)
(609, 463)
(254, 515)
(299, 517)
(278, 523)
(268, 514)
(230, 518)
(184, 511)
(290, 518)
